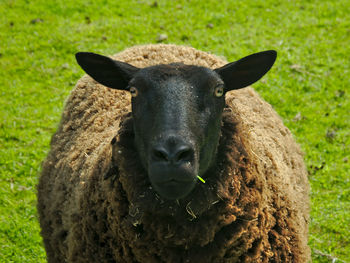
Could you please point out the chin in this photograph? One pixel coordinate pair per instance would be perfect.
(173, 190)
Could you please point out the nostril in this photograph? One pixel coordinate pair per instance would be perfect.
(160, 155)
(176, 154)
(184, 154)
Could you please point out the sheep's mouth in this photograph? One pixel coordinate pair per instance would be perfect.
(173, 189)
(172, 183)
(173, 180)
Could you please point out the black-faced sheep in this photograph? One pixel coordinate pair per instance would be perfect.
(124, 187)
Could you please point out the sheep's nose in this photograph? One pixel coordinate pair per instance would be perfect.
(173, 154)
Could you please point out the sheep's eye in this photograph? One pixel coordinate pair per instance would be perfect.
(219, 91)
(133, 91)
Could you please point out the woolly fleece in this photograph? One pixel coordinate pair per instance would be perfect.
(96, 205)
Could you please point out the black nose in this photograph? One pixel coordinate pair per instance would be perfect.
(174, 154)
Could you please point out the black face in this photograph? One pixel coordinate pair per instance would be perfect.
(177, 112)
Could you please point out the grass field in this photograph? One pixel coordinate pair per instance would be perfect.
(308, 87)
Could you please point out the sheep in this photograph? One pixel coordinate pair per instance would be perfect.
(122, 185)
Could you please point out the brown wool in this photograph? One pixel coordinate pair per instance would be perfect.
(95, 202)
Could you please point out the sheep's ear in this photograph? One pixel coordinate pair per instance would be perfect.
(247, 70)
(111, 73)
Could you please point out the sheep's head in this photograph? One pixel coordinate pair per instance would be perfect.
(176, 111)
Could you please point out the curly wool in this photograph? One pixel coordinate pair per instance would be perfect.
(96, 204)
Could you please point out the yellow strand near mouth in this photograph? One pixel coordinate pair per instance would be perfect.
(201, 179)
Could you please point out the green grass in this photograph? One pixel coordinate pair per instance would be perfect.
(308, 86)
